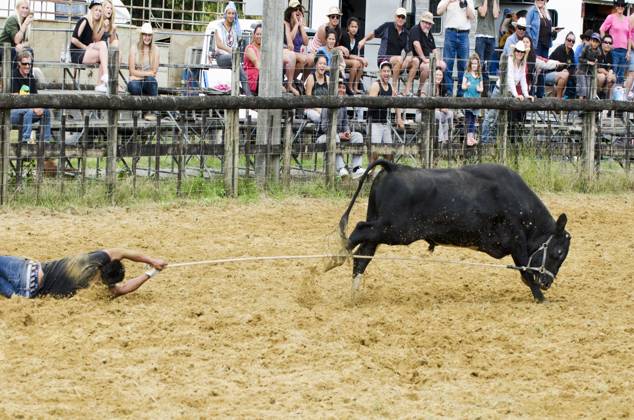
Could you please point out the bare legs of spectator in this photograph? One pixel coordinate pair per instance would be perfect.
(300, 64)
(97, 52)
(605, 83)
(560, 83)
(410, 64)
(289, 59)
(309, 66)
(629, 81)
(355, 71)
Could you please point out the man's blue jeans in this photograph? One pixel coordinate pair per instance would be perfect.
(27, 117)
(146, 87)
(456, 48)
(619, 63)
(484, 47)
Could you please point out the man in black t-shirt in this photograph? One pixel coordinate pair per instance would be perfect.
(394, 41)
(64, 277)
(24, 83)
(424, 46)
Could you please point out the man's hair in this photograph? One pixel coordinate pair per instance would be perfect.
(24, 54)
(112, 273)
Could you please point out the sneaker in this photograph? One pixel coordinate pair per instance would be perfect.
(343, 172)
(149, 116)
(102, 88)
(357, 172)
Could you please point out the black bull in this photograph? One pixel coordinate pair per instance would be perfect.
(484, 207)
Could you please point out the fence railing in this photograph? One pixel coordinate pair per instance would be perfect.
(205, 136)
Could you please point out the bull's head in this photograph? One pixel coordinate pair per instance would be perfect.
(553, 254)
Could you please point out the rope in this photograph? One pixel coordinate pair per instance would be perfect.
(319, 256)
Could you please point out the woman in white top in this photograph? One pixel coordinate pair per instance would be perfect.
(515, 84)
(143, 63)
(516, 73)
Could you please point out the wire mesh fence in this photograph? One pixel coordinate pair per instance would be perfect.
(183, 152)
(73, 143)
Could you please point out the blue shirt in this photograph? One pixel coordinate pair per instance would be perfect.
(472, 89)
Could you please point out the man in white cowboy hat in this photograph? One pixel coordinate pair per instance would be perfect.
(458, 15)
(488, 12)
(394, 41)
(520, 32)
(424, 46)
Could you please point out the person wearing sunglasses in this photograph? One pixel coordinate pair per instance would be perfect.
(518, 35)
(516, 84)
(565, 70)
(618, 27)
(457, 18)
(24, 83)
(605, 73)
(319, 40)
(394, 40)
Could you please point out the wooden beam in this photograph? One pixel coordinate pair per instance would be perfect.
(113, 123)
(270, 85)
(5, 125)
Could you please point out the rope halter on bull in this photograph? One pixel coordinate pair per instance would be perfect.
(541, 269)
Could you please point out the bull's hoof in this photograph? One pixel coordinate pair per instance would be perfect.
(356, 283)
(336, 260)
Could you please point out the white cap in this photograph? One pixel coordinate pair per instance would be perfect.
(400, 11)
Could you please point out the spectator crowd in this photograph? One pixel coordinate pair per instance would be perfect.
(409, 61)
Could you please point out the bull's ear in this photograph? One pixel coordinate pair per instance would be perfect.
(561, 222)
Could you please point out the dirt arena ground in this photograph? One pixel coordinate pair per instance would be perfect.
(280, 338)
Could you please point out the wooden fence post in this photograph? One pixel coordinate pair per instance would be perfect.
(288, 148)
(268, 128)
(430, 116)
(628, 143)
(232, 132)
(503, 115)
(5, 133)
(113, 122)
(589, 135)
(331, 139)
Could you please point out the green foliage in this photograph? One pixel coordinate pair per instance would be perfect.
(541, 173)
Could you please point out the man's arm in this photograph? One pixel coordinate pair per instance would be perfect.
(129, 286)
(442, 6)
(470, 11)
(418, 49)
(496, 9)
(365, 39)
(117, 254)
(482, 10)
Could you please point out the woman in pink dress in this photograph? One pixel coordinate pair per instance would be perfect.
(618, 27)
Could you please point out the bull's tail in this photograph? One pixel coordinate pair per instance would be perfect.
(343, 222)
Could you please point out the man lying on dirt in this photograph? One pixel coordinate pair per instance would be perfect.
(62, 278)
